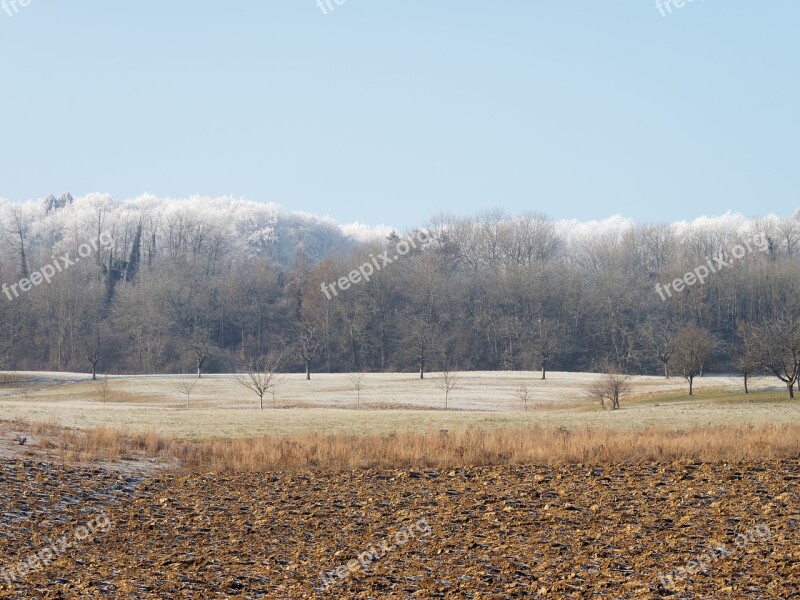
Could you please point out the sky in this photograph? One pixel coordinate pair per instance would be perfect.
(391, 112)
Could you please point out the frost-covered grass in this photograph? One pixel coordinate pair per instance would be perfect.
(389, 403)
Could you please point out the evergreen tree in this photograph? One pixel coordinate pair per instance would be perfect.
(135, 256)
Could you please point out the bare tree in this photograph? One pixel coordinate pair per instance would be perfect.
(93, 356)
(90, 324)
(260, 374)
(523, 393)
(307, 343)
(777, 348)
(18, 233)
(186, 386)
(544, 342)
(423, 313)
(611, 386)
(422, 345)
(357, 383)
(447, 382)
(789, 230)
(693, 347)
(380, 299)
(105, 391)
(201, 352)
(661, 340)
(744, 356)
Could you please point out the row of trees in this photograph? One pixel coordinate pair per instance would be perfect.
(203, 285)
(768, 349)
(772, 349)
(261, 375)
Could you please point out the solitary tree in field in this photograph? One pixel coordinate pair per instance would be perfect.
(260, 374)
(611, 386)
(186, 386)
(357, 383)
(447, 382)
(693, 347)
(524, 393)
(105, 391)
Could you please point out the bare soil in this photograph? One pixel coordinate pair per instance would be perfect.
(576, 531)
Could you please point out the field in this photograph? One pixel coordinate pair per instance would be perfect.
(137, 496)
(389, 403)
(577, 531)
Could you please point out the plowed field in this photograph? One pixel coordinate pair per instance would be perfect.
(578, 531)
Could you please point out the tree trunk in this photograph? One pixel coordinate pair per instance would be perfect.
(791, 390)
(745, 384)
(383, 347)
(691, 381)
(308, 371)
(201, 360)
(666, 371)
(421, 369)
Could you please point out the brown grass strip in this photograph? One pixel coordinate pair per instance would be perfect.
(436, 449)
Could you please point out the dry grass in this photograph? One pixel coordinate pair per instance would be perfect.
(435, 449)
(497, 447)
(98, 444)
(105, 444)
(14, 379)
(46, 428)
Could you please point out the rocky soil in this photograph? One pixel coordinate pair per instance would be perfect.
(580, 531)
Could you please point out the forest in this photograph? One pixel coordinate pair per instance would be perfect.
(203, 284)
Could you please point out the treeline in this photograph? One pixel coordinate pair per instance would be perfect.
(203, 284)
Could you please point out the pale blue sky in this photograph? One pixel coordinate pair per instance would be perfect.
(388, 112)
